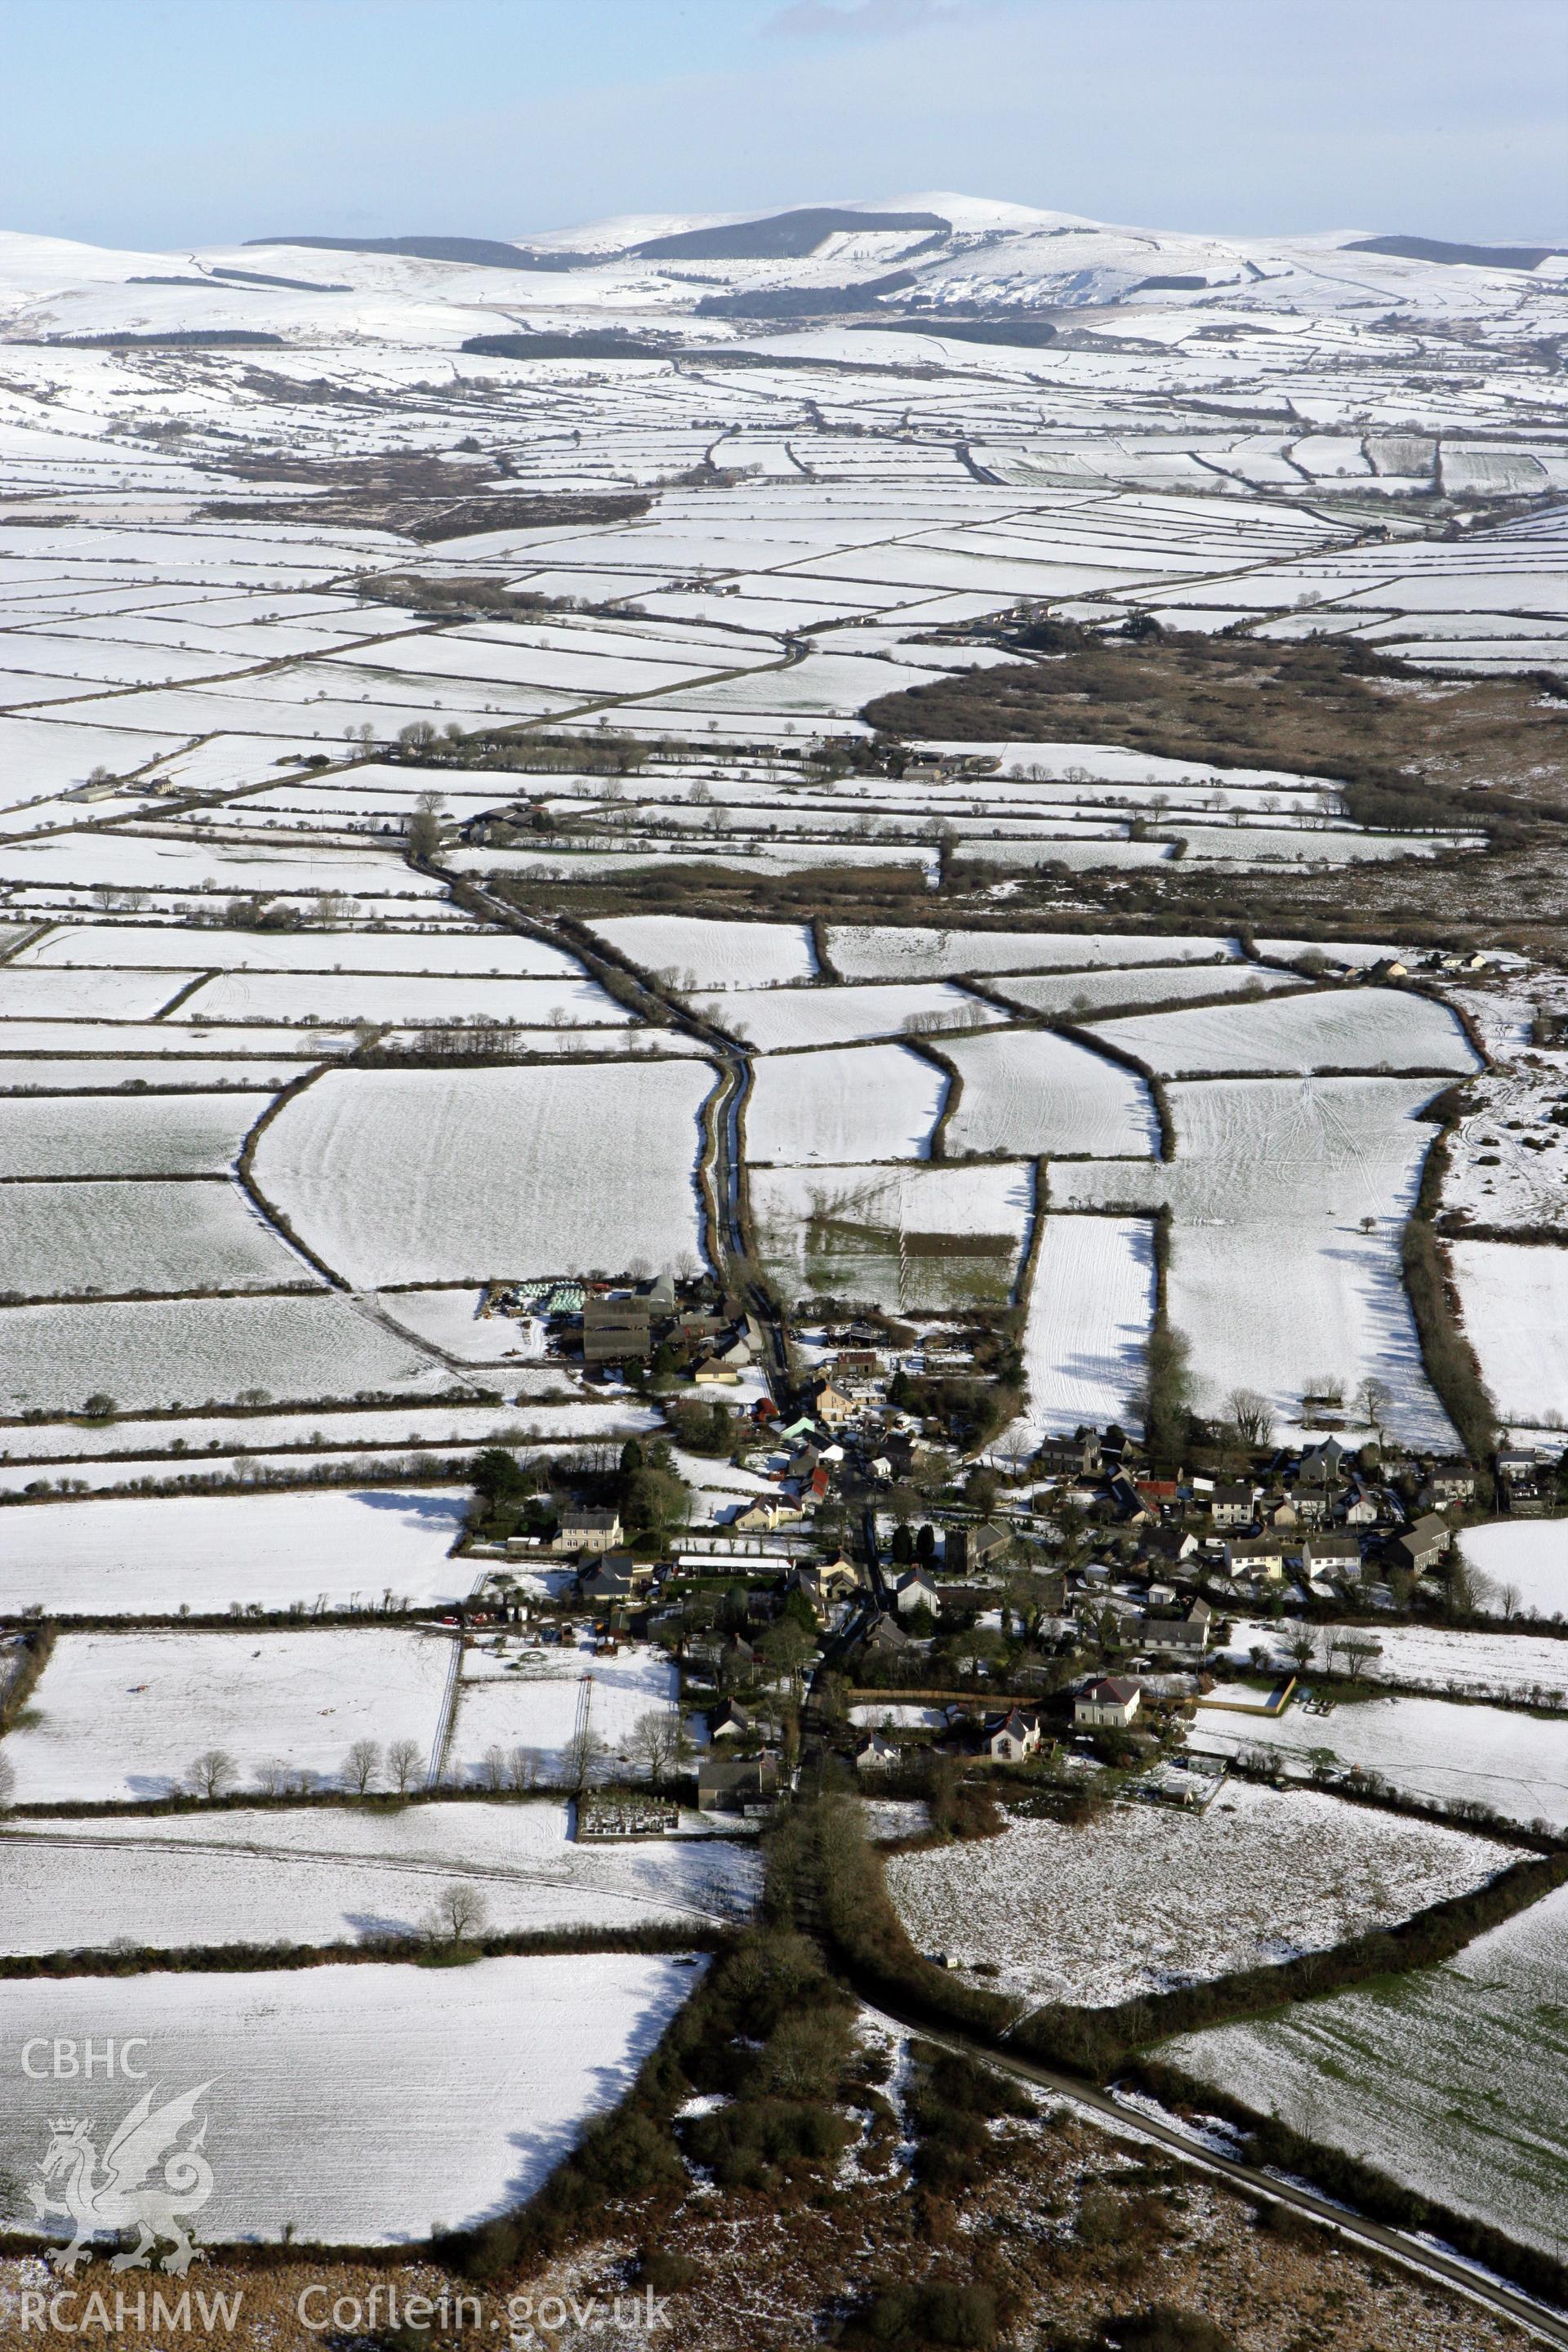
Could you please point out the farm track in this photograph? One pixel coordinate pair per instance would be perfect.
(1540, 2320)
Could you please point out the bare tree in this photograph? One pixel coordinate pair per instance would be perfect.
(658, 1743)
(404, 1758)
(363, 1764)
(274, 1779)
(1372, 1398)
(1253, 1417)
(583, 1751)
(212, 1772)
(7, 1781)
(460, 1911)
(493, 1770)
(1301, 1648)
(1359, 1651)
(522, 1768)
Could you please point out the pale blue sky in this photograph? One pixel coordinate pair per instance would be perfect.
(163, 122)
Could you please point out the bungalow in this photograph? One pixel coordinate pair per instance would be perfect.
(1361, 1509)
(886, 1637)
(716, 1374)
(1331, 1556)
(1186, 1635)
(588, 1531)
(1255, 1556)
(1110, 1704)
(1233, 1507)
(1008, 1739)
(1422, 1546)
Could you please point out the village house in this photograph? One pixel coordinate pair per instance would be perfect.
(1255, 1556)
(1233, 1507)
(832, 1407)
(615, 1576)
(1449, 1485)
(766, 1513)
(1069, 1457)
(1009, 1739)
(1421, 1546)
(728, 1721)
(885, 1637)
(874, 1754)
(1327, 1555)
(592, 1531)
(740, 1784)
(840, 1579)
(914, 1589)
(1110, 1704)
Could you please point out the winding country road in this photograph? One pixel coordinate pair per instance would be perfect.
(1541, 2320)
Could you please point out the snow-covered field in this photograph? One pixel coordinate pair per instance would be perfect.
(1026, 1091)
(1477, 2049)
(1086, 994)
(1091, 1305)
(1374, 1029)
(1518, 1666)
(189, 1135)
(117, 1717)
(84, 1239)
(1515, 1306)
(1146, 1896)
(883, 951)
(310, 2074)
(134, 1558)
(337, 1874)
(416, 998)
(844, 1103)
(1515, 1764)
(777, 1019)
(512, 1696)
(165, 947)
(198, 1351)
(1524, 1562)
(452, 1176)
(1290, 1197)
(693, 952)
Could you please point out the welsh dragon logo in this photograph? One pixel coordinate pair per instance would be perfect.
(122, 2191)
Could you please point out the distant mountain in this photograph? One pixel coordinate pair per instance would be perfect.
(1478, 257)
(787, 236)
(478, 252)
